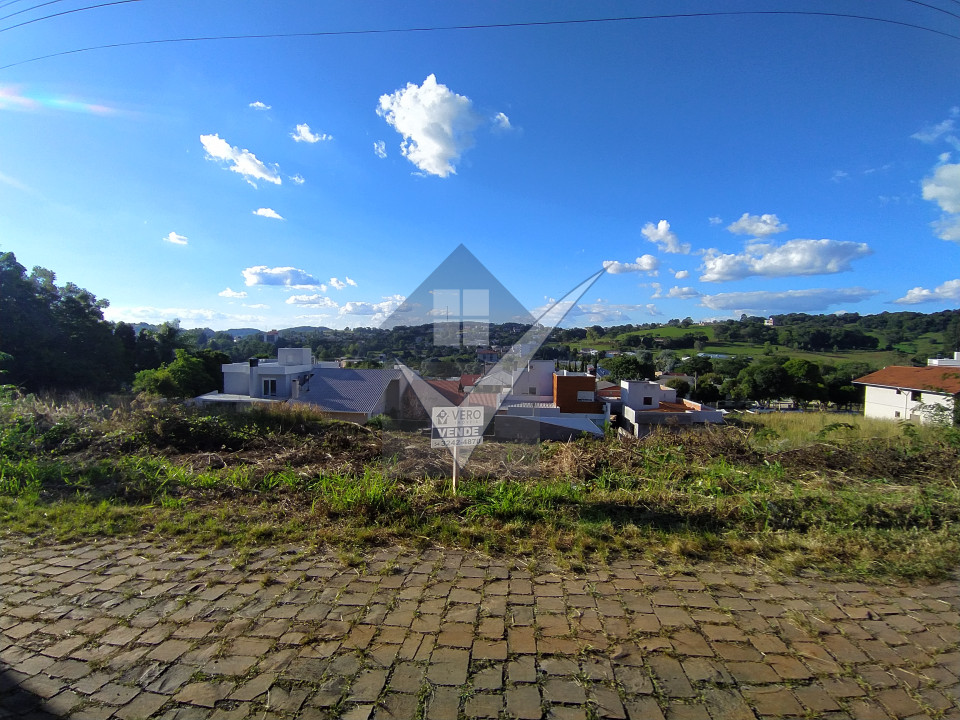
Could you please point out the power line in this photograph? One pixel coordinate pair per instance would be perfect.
(489, 26)
(934, 7)
(65, 12)
(33, 7)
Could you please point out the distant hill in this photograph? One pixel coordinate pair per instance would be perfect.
(243, 332)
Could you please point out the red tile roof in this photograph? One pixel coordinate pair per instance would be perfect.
(937, 379)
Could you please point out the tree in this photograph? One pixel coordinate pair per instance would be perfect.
(764, 381)
(805, 380)
(680, 385)
(186, 376)
(628, 367)
(665, 360)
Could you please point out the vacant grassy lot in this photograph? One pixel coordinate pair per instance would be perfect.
(789, 491)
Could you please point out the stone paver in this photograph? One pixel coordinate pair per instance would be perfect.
(124, 630)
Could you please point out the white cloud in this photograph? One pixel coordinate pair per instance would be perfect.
(435, 123)
(501, 121)
(297, 179)
(380, 149)
(946, 131)
(256, 306)
(228, 293)
(757, 225)
(714, 220)
(681, 274)
(303, 134)
(644, 263)
(284, 276)
(665, 238)
(337, 284)
(786, 301)
(378, 312)
(682, 293)
(175, 239)
(350, 282)
(240, 161)
(950, 290)
(259, 105)
(948, 228)
(652, 309)
(155, 315)
(943, 187)
(837, 176)
(311, 301)
(793, 258)
(268, 213)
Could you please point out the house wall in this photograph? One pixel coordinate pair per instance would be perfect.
(645, 394)
(565, 389)
(894, 404)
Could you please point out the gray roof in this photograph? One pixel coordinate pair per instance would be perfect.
(347, 389)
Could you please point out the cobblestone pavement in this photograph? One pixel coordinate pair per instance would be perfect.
(139, 630)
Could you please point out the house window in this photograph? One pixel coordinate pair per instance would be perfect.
(896, 413)
(916, 395)
(647, 400)
(532, 391)
(270, 387)
(585, 395)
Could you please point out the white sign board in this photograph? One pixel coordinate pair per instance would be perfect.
(456, 427)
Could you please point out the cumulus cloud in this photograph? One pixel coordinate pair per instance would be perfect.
(297, 179)
(786, 301)
(312, 301)
(943, 187)
(380, 149)
(284, 276)
(377, 312)
(946, 131)
(175, 239)
(268, 213)
(681, 274)
(240, 161)
(228, 293)
(793, 258)
(155, 315)
(436, 124)
(644, 263)
(665, 238)
(652, 309)
(682, 293)
(501, 121)
(259, 105)
(304, 134)
(757, 225)
(948, 228)
(950, 290)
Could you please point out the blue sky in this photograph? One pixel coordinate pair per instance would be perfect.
(716, 165)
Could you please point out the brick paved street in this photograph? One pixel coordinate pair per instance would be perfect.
(127, 630)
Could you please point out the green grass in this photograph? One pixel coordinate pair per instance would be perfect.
(833, 492)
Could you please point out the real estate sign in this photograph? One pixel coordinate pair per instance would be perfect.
(456, 427)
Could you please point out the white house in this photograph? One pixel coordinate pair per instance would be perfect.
(911, 393)
(647, 403)
(269, 379)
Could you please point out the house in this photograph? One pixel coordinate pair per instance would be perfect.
(912, 393)
(342, 393)
(269, 379)
(354, 394)
(646, 403)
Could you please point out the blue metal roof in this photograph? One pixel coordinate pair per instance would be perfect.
(347, 389)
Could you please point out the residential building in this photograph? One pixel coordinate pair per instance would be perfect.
(646, 403)
(917, 394)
